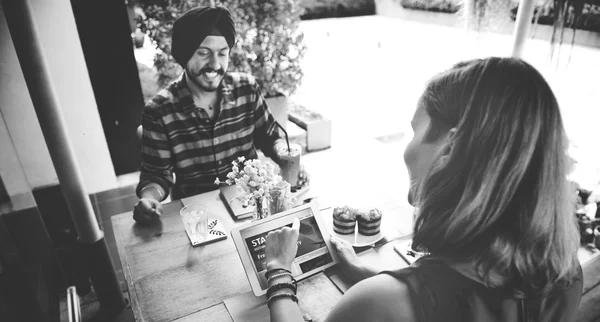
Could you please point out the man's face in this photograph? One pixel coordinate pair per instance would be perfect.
(209, 63)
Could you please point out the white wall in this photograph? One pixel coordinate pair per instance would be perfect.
(13, 177)
(62, 49)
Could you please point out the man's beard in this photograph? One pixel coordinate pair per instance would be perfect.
(193, 77)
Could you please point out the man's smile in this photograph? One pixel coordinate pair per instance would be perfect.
(212, 74)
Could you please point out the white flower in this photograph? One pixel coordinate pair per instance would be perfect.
(253, 177)
(217, 181)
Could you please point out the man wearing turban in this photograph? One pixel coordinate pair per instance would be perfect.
(200, 123)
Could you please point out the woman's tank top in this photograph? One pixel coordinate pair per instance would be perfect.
(440, 293)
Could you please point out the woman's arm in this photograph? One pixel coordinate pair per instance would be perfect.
(284, 309)
(280, 251)
(377, 299)
(380, 298)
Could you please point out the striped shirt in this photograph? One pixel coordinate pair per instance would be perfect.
(181, 139)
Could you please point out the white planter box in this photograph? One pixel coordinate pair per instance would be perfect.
(317, 127)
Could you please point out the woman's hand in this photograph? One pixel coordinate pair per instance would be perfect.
(351, 265)
(281, 246)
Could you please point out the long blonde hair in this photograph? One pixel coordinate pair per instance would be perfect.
(499, 195)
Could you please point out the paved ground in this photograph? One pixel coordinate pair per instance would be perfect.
(367, 73)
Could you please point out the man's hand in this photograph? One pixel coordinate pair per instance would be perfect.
(282, 246)
(147, 210)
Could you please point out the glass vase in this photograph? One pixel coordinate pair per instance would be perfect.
(279, 198)
(261, 209)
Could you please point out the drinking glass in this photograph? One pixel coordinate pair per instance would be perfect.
(195, 220)
(290, 163)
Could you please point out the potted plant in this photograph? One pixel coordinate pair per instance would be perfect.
(317, 127)
(269, 44)
(270, 47)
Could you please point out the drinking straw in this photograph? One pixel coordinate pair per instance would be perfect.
(287, 140)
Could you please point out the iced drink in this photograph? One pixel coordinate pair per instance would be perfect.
(290, 163)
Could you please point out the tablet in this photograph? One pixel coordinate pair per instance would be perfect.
(314, 250)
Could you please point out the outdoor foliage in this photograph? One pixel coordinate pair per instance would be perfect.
(268, 45)
(485, 14)
(579, 15)
(316, 9)
(148, 81)
(446, 6)
(561, 14)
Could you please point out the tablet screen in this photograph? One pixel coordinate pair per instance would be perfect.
(312, 250)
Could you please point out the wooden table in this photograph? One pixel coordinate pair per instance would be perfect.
(169, 280)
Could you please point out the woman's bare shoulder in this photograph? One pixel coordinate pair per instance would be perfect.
(379, 298)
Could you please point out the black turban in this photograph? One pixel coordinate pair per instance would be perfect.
(192, 27)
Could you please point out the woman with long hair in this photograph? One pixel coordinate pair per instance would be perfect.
(488, 169)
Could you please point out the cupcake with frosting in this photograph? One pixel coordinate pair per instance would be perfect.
(344, 220)
(369, 222)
